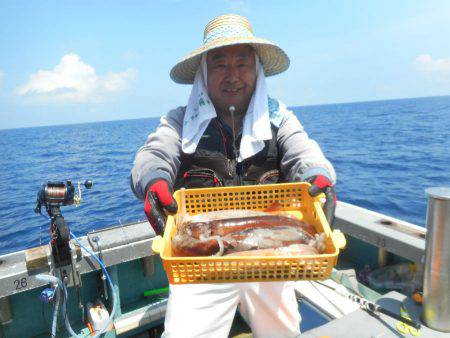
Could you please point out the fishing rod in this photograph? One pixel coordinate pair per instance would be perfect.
(371, 306)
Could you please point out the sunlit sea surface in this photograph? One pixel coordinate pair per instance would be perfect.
(385, 154)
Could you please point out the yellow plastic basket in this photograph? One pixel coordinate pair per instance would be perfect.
(292, 197)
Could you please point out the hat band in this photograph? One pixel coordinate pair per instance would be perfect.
(227, 32)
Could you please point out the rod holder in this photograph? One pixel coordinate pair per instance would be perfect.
(149, 266)
(6, 315)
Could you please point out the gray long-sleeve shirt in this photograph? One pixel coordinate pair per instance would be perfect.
(159, 157)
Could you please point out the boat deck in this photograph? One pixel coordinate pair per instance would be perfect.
(126, 251)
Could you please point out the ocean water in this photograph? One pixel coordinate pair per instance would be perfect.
(385, 154)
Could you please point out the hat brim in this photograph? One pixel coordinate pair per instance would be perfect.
(273, 59)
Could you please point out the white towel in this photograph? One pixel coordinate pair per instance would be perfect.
(200, 110)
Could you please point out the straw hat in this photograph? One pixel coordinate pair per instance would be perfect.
(226, 30)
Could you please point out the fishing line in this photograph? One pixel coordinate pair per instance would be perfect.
(323, 295)
(40, 228)
(370, 306)
(131, 248)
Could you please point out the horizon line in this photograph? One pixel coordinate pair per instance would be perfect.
(290, 106)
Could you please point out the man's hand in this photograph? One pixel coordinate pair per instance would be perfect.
(158, 200)
(321, 184)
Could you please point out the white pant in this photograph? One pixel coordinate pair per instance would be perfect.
(207, 310)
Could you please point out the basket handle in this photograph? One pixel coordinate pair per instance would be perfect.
(157, 244)
(339, 239)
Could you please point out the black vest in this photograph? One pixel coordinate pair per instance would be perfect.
(214, 164)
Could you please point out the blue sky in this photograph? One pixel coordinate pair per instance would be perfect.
(80, 61)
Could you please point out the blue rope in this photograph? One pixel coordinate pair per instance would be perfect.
(94, 256)
(113, 310)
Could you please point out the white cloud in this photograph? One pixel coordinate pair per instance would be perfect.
(2, 75)
(118, 82)
(74, 80)
(437, 69)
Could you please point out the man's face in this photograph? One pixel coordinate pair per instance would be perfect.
(231, 77)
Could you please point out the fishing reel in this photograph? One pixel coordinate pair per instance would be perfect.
(59, 193)
(53, 195)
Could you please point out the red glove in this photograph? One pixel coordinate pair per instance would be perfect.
(158, 200)
(321, 184)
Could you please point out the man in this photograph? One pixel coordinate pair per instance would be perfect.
(230, 133)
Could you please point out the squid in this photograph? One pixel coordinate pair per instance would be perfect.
(223, 227)
(291, 250)
(224, 233)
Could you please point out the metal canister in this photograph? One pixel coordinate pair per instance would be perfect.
(436, 286)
